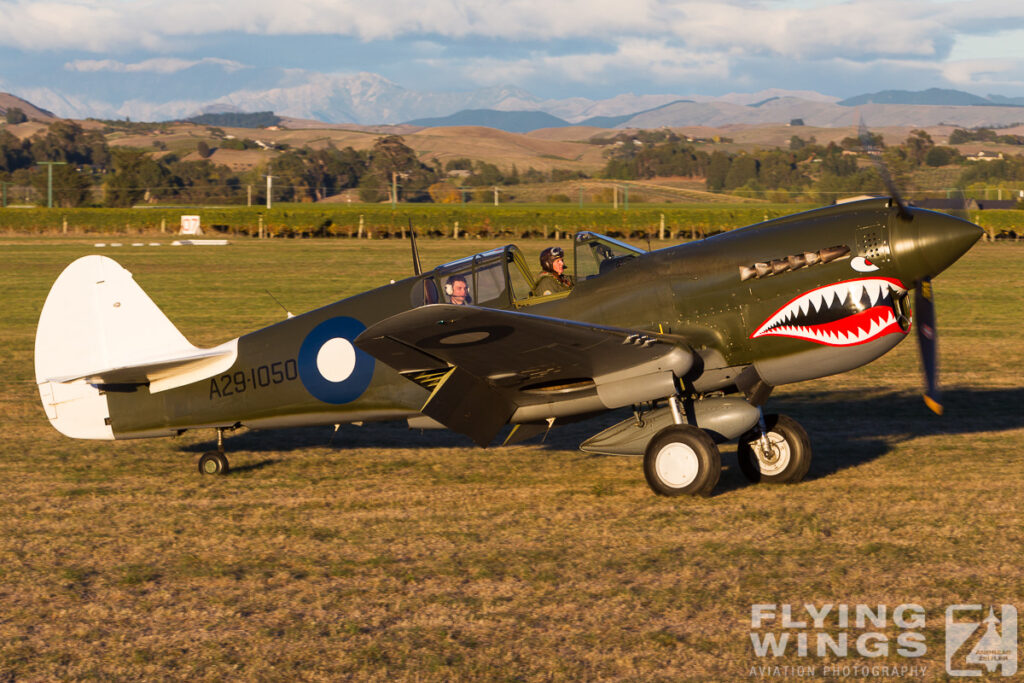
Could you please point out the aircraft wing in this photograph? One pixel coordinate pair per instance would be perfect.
(486, 367)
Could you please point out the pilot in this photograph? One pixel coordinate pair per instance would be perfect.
(552, 278)
(457, 290)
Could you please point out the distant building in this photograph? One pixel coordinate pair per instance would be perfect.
(985, 156)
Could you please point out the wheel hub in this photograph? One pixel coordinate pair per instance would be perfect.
(776, 457)
(677, 465)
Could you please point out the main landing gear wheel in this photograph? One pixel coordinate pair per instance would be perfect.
(680, 460)
(788, 456)
(213, 462)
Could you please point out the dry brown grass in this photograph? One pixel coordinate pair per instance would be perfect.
(391, 554)
(505, 149)
(484, 144)
(569, 133)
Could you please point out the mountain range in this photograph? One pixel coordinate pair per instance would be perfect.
(370, 99)
(888, 108)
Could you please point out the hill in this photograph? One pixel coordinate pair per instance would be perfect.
(505, 149)
(509, 121)
(718, 113)
(259, 119)
(931, 97)
(613, 121)
(543, 151)
(9, 101)
(371, 101)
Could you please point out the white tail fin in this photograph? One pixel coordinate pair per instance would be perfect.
(98, 326)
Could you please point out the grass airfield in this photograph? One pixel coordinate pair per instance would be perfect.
(380, 553)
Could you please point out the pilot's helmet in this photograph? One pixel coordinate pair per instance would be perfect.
(549, 256)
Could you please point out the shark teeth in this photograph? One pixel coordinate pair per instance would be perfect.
(856, 329)
(841, 314)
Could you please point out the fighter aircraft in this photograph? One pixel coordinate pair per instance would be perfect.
(693, 337)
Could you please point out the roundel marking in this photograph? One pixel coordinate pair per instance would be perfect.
(470, 337)
(465, 338)
(330, 366)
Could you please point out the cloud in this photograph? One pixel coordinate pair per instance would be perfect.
(985, 73)
(670, 43)
(95, 26)
(159, 65)
(102, 25)
(657, 60)
(858, 29)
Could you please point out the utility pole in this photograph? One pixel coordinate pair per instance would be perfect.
(394, 188)
(270, 188)
(248, 199)
(495, 195)
(49, 179)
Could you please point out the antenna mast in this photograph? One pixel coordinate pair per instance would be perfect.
(416, 268)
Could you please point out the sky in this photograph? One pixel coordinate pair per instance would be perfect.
(114, 51)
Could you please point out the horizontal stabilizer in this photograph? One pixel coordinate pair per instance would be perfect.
(161, 374)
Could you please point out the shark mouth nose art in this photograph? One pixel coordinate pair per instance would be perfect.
(841, 314)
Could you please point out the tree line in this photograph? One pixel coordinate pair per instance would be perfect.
(804, 168)
(94, 173)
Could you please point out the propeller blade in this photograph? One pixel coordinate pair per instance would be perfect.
(927, 342)
(962, 211)
(868, 143)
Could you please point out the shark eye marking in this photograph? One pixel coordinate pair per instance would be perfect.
(862, 265)
(793, 262)
(842, 314)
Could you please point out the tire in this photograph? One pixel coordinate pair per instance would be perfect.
(682, 460)
(791, 452)
(213, 462)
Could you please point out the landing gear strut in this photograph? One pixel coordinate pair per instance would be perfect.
(215, 462)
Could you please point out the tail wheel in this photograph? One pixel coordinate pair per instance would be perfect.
(213, 462)
(787, 457)
(681, 460)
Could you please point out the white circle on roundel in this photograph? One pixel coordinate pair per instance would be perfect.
(336, 359)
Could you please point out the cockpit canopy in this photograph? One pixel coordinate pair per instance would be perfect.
(595, 255)
(501, 277)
